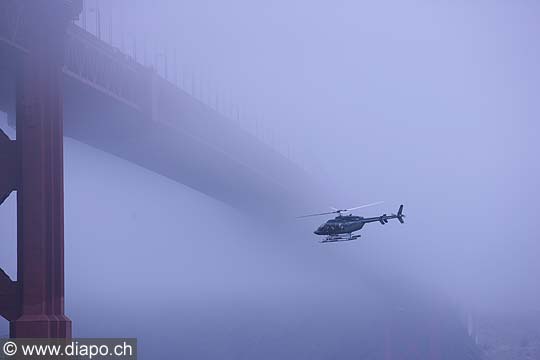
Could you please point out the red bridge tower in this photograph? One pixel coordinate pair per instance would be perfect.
(33, 166)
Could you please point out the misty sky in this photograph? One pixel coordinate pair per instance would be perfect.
(432, 104)
(427, 103)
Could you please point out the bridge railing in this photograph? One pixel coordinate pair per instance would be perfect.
(113, 73)
(104, 67)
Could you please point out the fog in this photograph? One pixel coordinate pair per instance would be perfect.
(427, 104)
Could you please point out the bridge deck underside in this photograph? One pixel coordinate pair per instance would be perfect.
(169, 132)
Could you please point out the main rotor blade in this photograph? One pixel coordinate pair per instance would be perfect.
(364, 206)
(338, 211)
(325, 213)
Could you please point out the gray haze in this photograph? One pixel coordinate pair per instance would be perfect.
(429, 104)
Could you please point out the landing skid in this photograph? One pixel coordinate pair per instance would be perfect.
(337, 238)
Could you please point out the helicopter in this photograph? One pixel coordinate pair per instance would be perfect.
(342, 227)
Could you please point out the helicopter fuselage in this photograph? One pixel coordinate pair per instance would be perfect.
(343, 225)
(341, 228)
(347, 224)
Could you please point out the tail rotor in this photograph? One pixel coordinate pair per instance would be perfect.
(400, 214)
